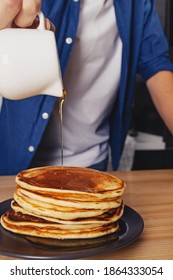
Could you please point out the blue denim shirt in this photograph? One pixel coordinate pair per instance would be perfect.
(145, 51)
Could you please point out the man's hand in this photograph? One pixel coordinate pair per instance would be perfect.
(21, 13)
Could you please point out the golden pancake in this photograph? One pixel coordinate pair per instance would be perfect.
(106, 204)
(110, 216)
(65, 203)
(28, 225)
(77, 182)
(50, 210)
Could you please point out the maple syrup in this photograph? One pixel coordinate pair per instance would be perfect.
(61, 123)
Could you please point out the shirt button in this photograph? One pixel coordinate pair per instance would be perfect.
(76, 0)
(45, 115)
(69, 40)
(31, 149)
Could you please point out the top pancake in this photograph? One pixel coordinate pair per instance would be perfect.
(68, 179)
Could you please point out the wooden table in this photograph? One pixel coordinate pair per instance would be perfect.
(150, 193)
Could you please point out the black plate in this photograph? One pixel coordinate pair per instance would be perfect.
(14, 245)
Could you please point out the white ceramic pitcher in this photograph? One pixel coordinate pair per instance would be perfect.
(29, 62)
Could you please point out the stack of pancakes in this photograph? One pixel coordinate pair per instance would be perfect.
(65, 203)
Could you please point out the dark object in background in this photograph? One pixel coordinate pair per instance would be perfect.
(144, 115)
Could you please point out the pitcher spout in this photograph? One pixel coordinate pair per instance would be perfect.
(56, 89)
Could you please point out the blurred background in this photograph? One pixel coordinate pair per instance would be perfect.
(153, 141)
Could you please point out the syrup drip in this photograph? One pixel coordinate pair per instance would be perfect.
(61, 124)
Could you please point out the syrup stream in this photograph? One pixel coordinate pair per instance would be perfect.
(61, 124)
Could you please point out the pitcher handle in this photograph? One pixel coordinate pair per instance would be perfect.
(41, 17)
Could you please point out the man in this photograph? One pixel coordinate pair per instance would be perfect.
(101, 44)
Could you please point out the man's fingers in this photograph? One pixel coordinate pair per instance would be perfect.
(49, 25)
(8, 11)
(27, 14)
(21, 13)
(34, 25)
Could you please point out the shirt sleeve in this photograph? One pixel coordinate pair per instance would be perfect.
(154, 51)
